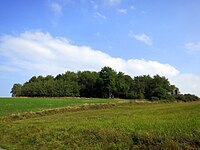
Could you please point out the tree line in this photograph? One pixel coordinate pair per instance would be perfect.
(106, 83)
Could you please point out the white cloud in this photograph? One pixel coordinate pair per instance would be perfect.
(99, 16)
(188, 83)
(123, 11)
(37, 49)
(38, 53)
(141, 67)
(192, 47)
(56, 8)
(142, 38)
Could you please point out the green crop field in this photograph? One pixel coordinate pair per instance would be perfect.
(10, 106)
(129, 126)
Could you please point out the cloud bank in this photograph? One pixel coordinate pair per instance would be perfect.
(38, 53)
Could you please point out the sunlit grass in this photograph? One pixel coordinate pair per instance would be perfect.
(10, 106)
(136, 126)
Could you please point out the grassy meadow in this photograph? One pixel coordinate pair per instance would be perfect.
(9, 106)
(130, 126)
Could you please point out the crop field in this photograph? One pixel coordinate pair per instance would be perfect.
(10, 106)
(129, 126)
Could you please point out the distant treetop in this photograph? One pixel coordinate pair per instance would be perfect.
(106, 83)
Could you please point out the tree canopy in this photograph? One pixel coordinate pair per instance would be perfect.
(107, 83)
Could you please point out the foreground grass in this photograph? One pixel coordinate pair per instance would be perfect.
(141, 126)
(10, 106)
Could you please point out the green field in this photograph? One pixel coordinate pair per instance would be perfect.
(10, 106)
(130, 126)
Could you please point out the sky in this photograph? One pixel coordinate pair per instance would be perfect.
(137, 37)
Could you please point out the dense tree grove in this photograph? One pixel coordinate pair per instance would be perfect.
(104, 84)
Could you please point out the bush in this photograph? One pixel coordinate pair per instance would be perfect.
(190, 97)
(170, 98)
(186, 97)
(155, 98)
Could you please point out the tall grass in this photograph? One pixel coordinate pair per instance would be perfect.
(142, 126)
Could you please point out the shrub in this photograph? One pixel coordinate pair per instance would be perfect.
(155, 98)
(186, 97)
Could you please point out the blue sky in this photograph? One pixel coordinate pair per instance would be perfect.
(134, 36)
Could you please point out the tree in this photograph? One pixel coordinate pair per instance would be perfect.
(122, 86)
(33, 79)
(107, 82)
(16, 90)
(141, 86)
(71, 86)
(159, 87)
(49, 85)
(87, 81)
(131, 94)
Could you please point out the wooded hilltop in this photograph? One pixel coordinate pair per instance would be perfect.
(106, 83)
